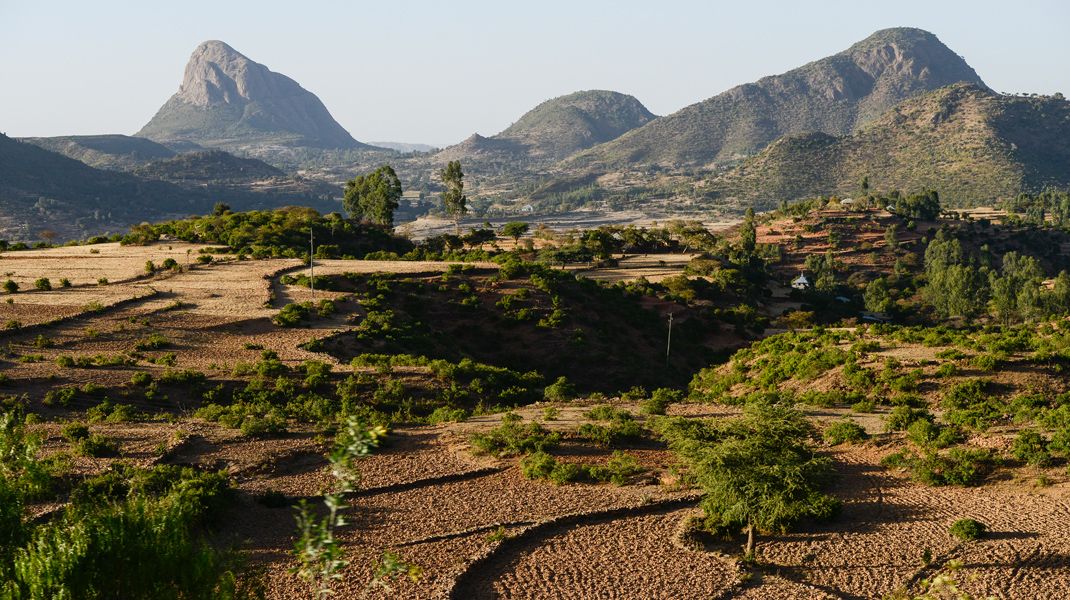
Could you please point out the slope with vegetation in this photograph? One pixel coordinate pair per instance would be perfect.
(971, 144)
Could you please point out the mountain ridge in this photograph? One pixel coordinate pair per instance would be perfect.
(228, 100)
(835, 95)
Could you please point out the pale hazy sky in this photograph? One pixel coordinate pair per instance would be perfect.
(437, 71)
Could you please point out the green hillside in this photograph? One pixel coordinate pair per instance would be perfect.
(113, 151)
(207, 166)
(42, 190)
(969, 143)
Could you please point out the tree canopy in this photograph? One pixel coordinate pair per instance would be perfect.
(759, 472)
(373, 197)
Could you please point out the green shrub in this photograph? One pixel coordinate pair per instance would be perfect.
(74, 431)
(11, 287)
(660, 400)
(619, 431)
(292, 314)
(513, 437)
(263, 425)
(619, 469)
(141, 379)
(959, 466)
(844, 431)
(141, 544)
(154, 341)
(96, 445)
(1031, 448)
(928, 434)
(560, 391)
(967, 530)
(903, 416)
(43, 284)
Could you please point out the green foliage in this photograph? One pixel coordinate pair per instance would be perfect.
(11, 287)
(843, 432)
(513, 437)
(130, 534)
(280, 233)
(42, 284)
(759, 471)
(957, 466)
(320, 556)
(560, 390)
(373, 197)
(902, 417)
(292, 314)
(515, 229)
(967, 530)
(660, 400)
(454, 202)
(619, 469)
(96, 445)
(1031, 448)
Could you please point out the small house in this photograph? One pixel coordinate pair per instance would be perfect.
(800, 282)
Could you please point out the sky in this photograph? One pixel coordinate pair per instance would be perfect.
(437, 71)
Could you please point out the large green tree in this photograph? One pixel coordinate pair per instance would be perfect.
(454, 202)
(373, 197)
(759, 471)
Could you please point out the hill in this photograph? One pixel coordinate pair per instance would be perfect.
(833, 95)
(42, 190)
(556, 129)
(210, 165)
(119, 152)
(967, 142)
(227, 100)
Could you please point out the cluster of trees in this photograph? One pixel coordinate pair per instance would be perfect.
(960, 283)
(373, 197)
(282, 232)
(1037, 207)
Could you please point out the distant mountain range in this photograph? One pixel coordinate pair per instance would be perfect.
(833, 95)
(898, 107)
(555, 129)
(227, 100)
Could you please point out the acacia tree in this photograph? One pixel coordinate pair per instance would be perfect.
(454, 202)
(373, 197)
(759, 472)
(515, 230)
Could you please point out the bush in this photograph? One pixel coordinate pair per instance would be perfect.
(1031, 448)
(96, 445)
(74, 431)
(660, 400)
(10, 286)
(617, 432)
(292, 314)
(618, 470)
(141, 379)
(959, 466)
(903, 416)
(154, 341)
(43, 284)
(844, 431)
(928, 434)
(560, 391)
(967, 530)
(512, 438)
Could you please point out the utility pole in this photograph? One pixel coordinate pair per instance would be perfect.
(311, 265)
(668, 342)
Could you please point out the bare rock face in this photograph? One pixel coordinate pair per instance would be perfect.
(228, 100)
